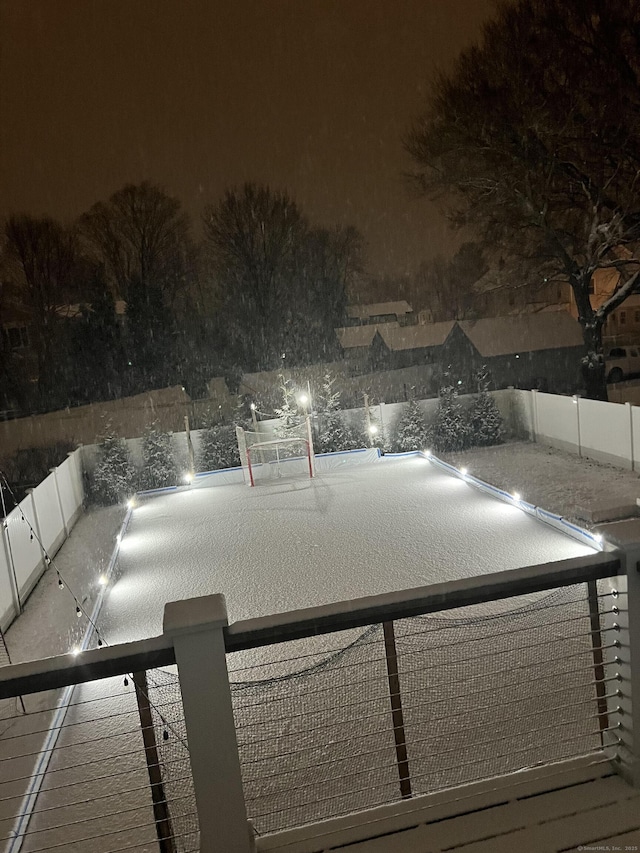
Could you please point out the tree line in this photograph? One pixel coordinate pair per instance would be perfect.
(126, 299)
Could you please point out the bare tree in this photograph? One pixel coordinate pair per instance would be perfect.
(142, 237)
(533, 141)
(282, 283)
(41, 259)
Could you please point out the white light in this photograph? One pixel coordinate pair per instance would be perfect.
(464, 472)
(427, 453)
(598, 538)
(303, 399)
(373, 429)
(119, 538)
(517, 497)
(253, 407)
(131, 503)
(75, 651)
(188, 478)
(102, 580)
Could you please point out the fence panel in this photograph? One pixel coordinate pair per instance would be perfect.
(50, 520)
(25, 549)
(7, 605)
(70, 490)
(605, 432)
(556, 421)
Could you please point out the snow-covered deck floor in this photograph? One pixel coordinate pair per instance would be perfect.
(355, 531)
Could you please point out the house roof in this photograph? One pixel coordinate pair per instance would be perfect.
(523, 333)
(362, 312)
(415, 337)
(357, 336)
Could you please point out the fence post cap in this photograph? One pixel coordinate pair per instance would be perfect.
(194, 615)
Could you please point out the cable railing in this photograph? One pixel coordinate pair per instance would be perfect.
(299, 718)
(112, 773)
(439, 688)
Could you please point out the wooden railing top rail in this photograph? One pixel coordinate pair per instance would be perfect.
(21, 679)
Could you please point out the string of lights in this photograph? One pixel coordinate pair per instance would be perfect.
(80, 609)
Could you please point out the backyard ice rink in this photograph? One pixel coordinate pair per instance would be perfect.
(357, 530)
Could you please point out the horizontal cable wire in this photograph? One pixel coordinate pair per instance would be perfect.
(459, 799)
(402, 635)
(96, 739)
(493, 637)
(404, 672)
(93, 818)
(417, 691)
(406, 724)
(101, 798)
(395, 781)
(87, 764)
(148, 825)
(165, 838)
(410, 744)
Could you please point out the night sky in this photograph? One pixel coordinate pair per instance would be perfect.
(312, 96)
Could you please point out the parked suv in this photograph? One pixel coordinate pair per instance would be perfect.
(621, 362)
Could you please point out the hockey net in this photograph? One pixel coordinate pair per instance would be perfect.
(266, 456)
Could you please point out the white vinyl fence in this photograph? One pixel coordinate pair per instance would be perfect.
(50, 510)
(606, 432)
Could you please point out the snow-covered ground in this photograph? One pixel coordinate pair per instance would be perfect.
(396, 524)
(557, 481)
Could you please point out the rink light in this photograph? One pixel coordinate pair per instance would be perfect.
(102, 580)
(188, 478)
(598, 538)
(131, 503)
(253, 407)
(427, 453)
(517, 497)
(373, 429)
(75, 651)
(119, 538)
(464, 472)
(303, 399)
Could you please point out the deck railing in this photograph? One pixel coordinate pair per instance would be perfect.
(300, 717)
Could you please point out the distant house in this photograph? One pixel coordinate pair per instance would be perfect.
(380, 312)
(527, 351)
(396, 346)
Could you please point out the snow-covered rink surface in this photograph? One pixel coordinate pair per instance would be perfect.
(356, 530)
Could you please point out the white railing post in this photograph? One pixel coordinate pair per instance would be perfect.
(632, 450)
(534, 407)
(196, 630)
(576, 400)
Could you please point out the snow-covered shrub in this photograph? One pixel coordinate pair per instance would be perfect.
(288, 412)
(113, 478)
(486, 426)
(450, 430)
(411, 432)
(218, 448)
(333, 433)
(159, 465)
